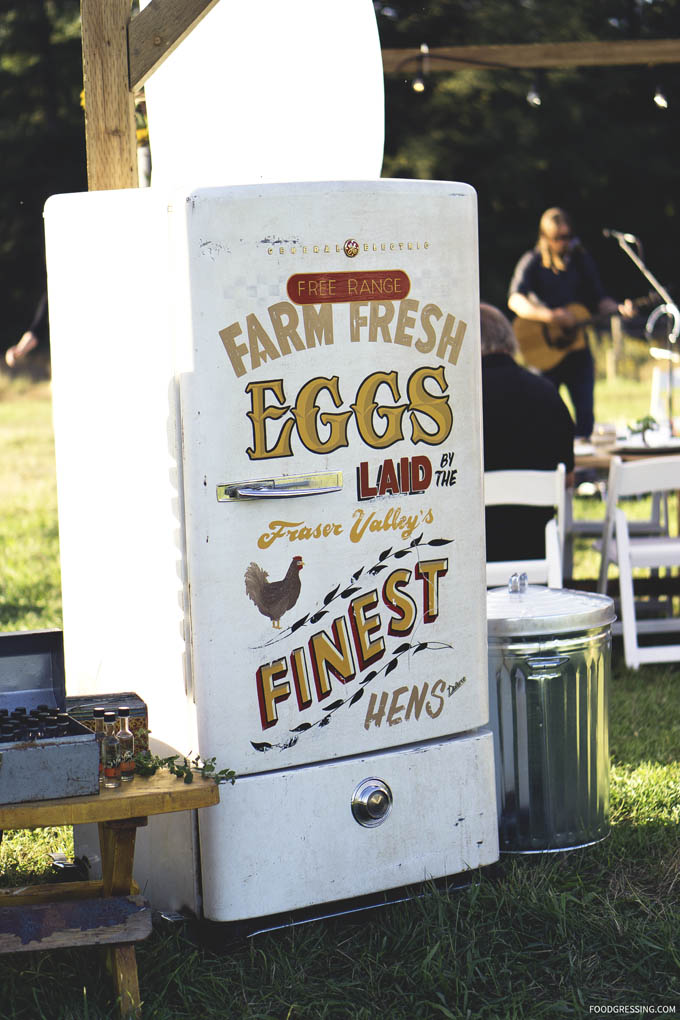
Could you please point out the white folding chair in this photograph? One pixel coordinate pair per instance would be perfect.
(658, 401)
(655, 524)
(530, 488)
(621, 545)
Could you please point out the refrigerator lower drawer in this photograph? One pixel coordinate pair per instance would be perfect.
(286, 840)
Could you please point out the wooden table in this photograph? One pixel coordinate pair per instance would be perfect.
(601, 457)
(105, 912)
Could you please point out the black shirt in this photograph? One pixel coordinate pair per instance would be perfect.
(579, 283)
(526, 425)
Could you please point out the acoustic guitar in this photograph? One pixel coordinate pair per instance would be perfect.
(544, 344)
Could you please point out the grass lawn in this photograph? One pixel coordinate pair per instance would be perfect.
(554, 936)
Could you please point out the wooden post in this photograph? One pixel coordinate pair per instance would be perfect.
(158, 30)
(110, 74)
(616, 347)
(109, 104)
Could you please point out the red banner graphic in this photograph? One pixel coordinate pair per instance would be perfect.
(330, 288)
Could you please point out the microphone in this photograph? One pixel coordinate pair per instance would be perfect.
(629, 238)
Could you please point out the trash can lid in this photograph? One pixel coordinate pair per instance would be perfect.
(536, 610)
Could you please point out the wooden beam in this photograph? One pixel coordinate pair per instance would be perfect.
(159, 29)
(109, 104)
(448, 59)
(51, 892)
(88, 922)
(146, 796)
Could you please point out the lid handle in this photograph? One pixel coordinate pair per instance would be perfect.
(517, 583)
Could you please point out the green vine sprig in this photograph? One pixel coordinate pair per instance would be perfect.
(642, 426)
(147, 764)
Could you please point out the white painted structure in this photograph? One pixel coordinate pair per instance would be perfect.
(211, 370)
(270, 91)
(316, 335)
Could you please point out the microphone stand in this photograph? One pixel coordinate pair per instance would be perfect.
(668, 308)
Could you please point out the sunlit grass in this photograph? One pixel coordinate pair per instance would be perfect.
(30, 577)
(546, 937)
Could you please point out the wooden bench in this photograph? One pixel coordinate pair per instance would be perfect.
(106, 912)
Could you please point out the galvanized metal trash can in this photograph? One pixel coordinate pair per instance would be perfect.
(549, 669)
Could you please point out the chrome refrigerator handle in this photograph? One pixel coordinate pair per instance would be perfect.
(284, 487)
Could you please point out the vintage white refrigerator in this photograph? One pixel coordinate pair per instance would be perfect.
(269, 468)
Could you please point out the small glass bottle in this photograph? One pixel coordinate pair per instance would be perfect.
(110, 752)
(127, 745)
(64, 723)
(33, 730)
(98, 715)
(20, 724)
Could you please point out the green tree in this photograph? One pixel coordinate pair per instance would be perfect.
(596, 145)
(42, 140)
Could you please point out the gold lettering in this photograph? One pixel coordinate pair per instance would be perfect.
(365, 407)
(261, 347)
(298, 665)
(329, 657)
(425, 346)
(405, 321)
(394, 713)
(307, 416)
(373, 716)
(429, 572)
(380, 320)
(318, 323)
(234, 350)
(435, 408)
(416, 701)
(285, 320)
(446, 339)
(357, 319)
(433, 713)
(269, 692)
(363, 626)
(400, 602)
(260, 413)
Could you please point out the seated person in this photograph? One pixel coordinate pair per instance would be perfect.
(526, 425)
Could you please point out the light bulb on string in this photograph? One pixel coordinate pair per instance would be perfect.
(660, 98)
(418, 83)
(533, 97)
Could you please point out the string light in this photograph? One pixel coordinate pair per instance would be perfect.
(660, 98)
(533, 95)
(418, 83)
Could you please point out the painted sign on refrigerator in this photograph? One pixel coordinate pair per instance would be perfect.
(351, 380)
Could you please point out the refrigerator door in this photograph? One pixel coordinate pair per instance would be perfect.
(329, 373)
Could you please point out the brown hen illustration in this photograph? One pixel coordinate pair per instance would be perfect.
(274, 598)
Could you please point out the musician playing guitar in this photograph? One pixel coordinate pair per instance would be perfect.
(554, 291)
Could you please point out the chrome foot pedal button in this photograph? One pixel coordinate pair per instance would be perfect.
(371, 802)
